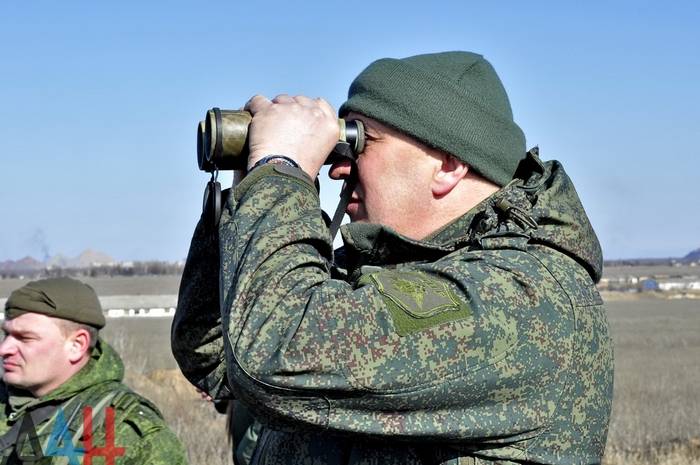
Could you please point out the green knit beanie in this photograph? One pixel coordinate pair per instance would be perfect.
(453, 101)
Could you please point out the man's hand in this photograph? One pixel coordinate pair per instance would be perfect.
(301, 128)
(204, 395)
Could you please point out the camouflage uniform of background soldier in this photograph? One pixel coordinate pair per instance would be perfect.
(53, 371)
(481, 339)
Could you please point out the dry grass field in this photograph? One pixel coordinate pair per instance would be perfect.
(650, 270)
(144, 344)
(118, 285)
(656, 410)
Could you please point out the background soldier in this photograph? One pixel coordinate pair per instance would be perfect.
(463, 324)
(55, 368)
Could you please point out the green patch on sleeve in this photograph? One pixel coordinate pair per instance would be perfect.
(416, 300)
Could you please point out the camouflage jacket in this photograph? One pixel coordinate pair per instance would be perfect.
(485, 342)
(135, 424)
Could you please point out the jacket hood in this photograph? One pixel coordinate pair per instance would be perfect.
(540, 205)
(562, 222)
(104, 366)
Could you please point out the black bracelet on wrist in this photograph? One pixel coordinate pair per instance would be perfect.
(275, 159)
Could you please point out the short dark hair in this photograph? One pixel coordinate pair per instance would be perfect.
(67, 327)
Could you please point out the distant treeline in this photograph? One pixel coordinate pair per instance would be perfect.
(647, 262)
(130, 269)
(175, 268)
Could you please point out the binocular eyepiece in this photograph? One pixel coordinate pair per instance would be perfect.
(222, 140)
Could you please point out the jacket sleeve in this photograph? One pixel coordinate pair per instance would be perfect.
(275, 265)
(196, 335)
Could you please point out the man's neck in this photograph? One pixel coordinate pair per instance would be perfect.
(469, 193)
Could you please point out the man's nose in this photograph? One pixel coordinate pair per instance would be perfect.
(7, 346)
(340, 170)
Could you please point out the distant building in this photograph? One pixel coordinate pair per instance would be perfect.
(680, 284)
(140, 312)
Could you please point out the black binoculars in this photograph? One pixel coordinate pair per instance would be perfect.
(222, 140)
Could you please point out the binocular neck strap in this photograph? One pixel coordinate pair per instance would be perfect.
(345, 195)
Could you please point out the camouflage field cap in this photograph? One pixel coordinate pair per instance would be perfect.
(64, 298)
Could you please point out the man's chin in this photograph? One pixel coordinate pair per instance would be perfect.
(12, 379)
(357, 217)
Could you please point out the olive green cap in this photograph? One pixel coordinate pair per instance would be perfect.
(453, 101)
(64, 298)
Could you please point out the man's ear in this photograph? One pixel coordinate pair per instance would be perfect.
(447, 175)
(79, 344)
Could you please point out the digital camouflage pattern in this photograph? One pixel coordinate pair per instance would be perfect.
(486, 342)
(139, 427)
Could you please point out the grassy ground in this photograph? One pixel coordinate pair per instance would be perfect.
(657, 270)
(118, 285)
(144, 345)
(656, 409)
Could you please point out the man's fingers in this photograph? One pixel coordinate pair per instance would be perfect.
(257, 103)
(315, 103)
(204, 395)
(283, 98)
(304, 101)
(325, 106)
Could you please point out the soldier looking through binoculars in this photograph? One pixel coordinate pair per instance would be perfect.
(460, 321)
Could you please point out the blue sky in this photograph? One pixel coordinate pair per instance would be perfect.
(99, 103)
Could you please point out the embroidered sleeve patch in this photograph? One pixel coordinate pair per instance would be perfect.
(417, 300)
